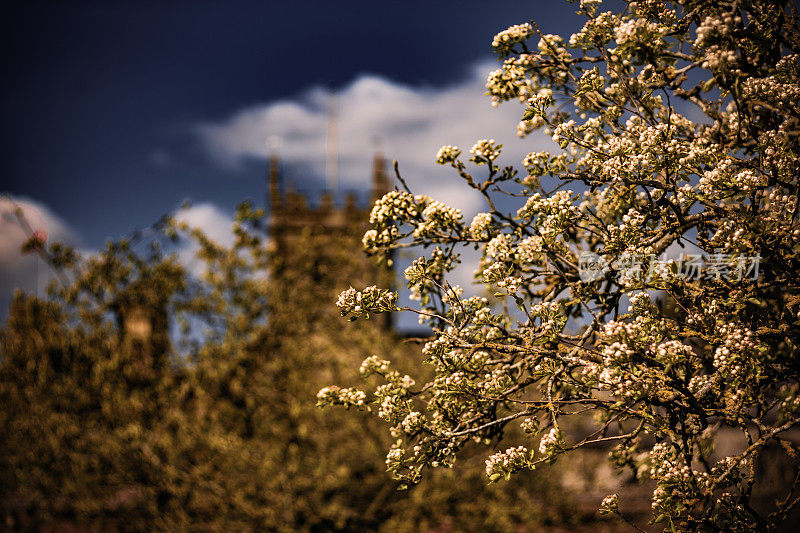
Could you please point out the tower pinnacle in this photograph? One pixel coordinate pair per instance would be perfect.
(274, 189)
(380, 183)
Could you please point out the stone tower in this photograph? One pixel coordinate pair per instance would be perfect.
(316, 250)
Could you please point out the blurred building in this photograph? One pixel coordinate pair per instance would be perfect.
(321, 244)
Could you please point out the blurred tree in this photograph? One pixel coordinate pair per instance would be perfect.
(141, 396)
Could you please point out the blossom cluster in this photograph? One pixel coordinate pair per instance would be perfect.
(394, 206)
(481, 226)
(510, 81)
(507, 462)
(338, 396)
(505, 40)
(609, 505)
(362, 303)
(550, 444)
(447, 154)
(437, 218)
(485, 150)
(554, 213)
(675, 481)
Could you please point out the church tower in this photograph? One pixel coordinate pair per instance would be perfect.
(316, 250)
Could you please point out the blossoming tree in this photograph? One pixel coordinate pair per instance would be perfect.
(678, 126)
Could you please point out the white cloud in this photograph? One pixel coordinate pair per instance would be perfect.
(31, 274)
(214, 222)
(411, 124)
(17, 270)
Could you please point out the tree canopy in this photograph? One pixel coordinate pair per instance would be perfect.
(141, 395)
(641, 277)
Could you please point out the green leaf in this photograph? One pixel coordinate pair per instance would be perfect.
(529, 114)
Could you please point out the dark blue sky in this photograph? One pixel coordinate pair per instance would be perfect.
(102, 102)
(94, 92)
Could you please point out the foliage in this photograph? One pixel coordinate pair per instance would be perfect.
(678, 125)
(142, 396)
